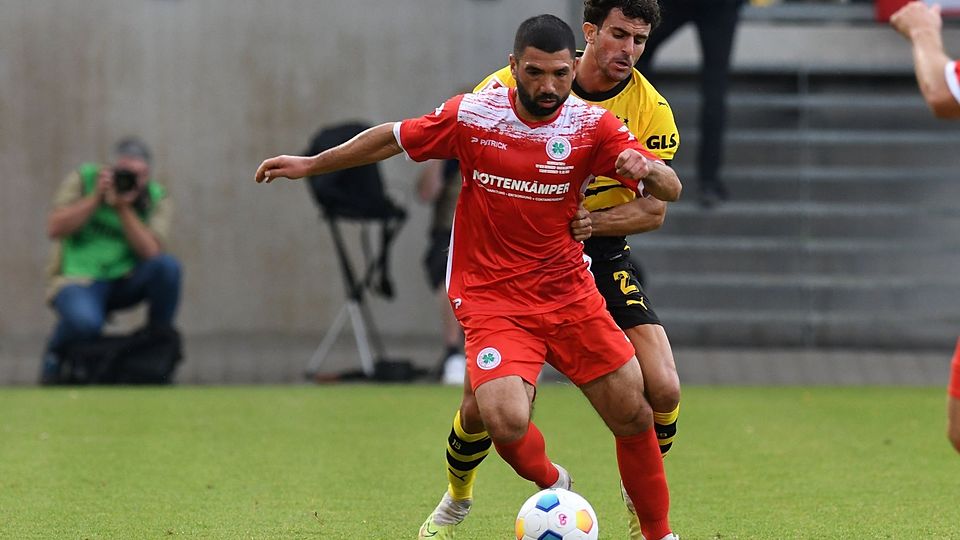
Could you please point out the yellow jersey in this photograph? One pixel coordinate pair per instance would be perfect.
(645, 113)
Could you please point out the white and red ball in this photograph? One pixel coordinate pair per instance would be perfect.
(557, 514)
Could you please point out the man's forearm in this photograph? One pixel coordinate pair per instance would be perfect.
(140, 237)
(370, 146)
(662, 182)
(66, 220)
(929, 61)
(635, 217)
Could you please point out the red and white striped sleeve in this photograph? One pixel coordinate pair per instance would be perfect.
(431, 136)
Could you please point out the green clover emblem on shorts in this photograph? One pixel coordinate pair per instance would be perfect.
(488, 358)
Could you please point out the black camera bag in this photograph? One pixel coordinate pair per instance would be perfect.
(147, 356)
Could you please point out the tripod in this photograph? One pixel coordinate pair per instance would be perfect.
(354, 309)
(355, 194)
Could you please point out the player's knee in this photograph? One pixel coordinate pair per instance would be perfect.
(470, 419)
(631, 419)
(506, 426)
(664, 398)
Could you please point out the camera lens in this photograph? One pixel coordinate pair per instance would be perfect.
(124, 180)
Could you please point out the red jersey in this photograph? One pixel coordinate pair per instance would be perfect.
(953, 78)
(953, 387)
(511, 251)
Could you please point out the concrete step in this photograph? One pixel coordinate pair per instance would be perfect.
(664, 254)
(780, 110)
(791, 148)
(809, 79)
(813, 220)
(769, 328)
(805, 293)
(880, 140)
(842, 229)
(810, 12)
(841, 184)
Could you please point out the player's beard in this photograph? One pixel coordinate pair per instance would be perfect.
(530, 102)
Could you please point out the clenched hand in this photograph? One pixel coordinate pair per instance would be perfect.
(632, 164)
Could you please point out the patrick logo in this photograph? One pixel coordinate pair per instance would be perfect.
(558, 148)
(488, 358)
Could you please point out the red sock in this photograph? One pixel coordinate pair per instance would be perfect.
(954, 387)
(528, 456)
(641, 469)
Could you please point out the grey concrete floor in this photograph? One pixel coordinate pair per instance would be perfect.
(279, 359)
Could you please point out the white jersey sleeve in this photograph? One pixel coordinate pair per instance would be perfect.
(952, 73)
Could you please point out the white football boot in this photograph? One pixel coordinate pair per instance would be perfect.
(440, 524)
(564, 481)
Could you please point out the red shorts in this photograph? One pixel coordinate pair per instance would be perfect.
(954, 388)
(580, 340)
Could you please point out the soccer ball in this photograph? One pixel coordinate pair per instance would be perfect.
(557, 514)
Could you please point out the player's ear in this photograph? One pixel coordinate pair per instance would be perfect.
(513, 66)
(589, 32)
(576, 62)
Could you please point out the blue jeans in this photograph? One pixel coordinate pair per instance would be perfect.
(84, 309)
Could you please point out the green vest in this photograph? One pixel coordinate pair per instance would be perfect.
(99, 250)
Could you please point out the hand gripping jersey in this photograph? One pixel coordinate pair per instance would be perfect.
(511, 251)
(648, 116)
(952, 73)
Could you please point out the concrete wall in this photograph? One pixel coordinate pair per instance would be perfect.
(215, 86)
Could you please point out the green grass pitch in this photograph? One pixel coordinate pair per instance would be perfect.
(366, 462)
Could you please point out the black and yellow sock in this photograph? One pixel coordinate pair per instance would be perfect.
(666, 426)
(465, 451)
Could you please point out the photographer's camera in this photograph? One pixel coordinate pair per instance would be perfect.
(124, 180)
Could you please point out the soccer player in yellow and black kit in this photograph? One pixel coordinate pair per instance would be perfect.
(615, 32)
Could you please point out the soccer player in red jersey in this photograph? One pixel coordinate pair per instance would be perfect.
(517, 280)
(615, 32)
(939, 80)
(953, 400)
(937, 75)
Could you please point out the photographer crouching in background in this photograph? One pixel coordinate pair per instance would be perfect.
(111, 225)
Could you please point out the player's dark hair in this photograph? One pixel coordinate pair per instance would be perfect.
(596, 11)
(545, 32)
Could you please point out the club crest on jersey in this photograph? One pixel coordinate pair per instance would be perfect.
(558, 148)
(488, 358)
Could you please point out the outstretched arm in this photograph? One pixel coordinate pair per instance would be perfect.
(922, 25)
(370, 146)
